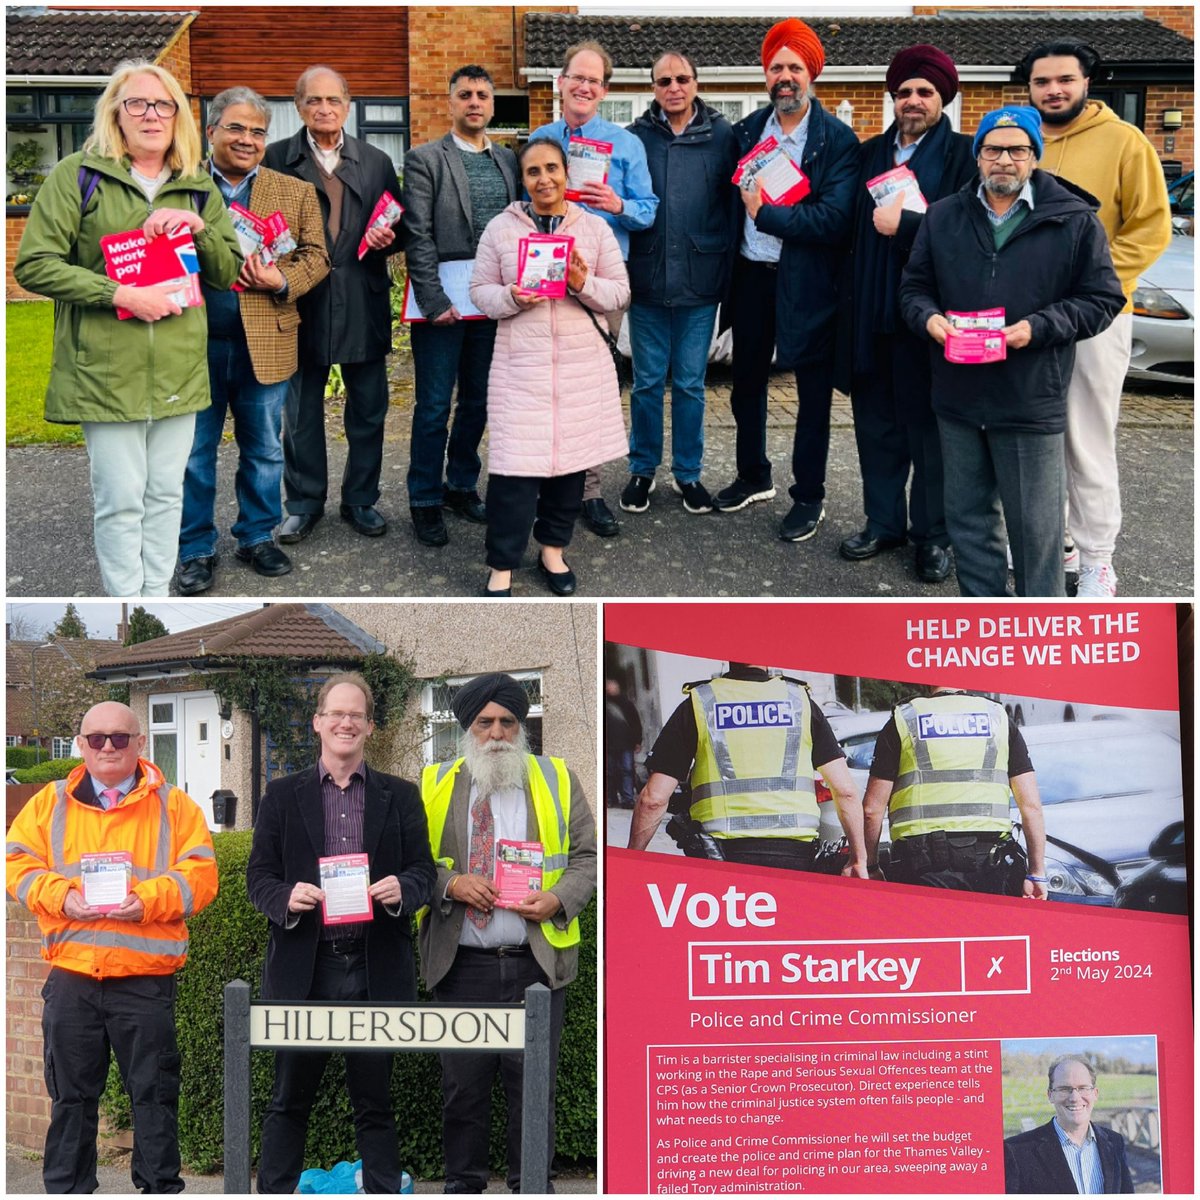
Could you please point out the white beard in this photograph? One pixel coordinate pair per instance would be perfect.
(495, 766)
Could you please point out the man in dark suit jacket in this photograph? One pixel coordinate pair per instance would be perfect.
(474, 951)
(452, 188)
(347, 318)
(339, 806)
(1069, 1154)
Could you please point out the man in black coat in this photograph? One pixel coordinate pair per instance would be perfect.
(1032, 246)
(339, 806)
(1068, 1155)
(784, 291)
(346, 319)
(894, 424)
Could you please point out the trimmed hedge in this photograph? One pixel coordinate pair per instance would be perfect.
(228, 941)
(17, 757)
(48, 770)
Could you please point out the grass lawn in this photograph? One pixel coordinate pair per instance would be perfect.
(29, 328)
(1025, 1096)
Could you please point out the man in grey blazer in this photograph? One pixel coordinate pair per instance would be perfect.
(474, 950)
(452, 188)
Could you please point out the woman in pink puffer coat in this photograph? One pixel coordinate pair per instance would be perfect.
(554, 403)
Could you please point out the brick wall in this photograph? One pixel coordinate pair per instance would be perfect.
(14, 229)
(1165, 95)
(27, 1110)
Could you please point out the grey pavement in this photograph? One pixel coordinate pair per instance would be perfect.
(663, 552)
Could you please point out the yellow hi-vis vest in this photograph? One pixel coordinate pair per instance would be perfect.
(753, 773)
(953, 767)
(550, 787)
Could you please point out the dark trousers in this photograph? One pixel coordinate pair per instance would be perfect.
(82, 1018)
(305, 467)
(298, 1079)
(786, 853)
(896, 432)
(753, 301)
(445, 357)
(517, 503)
(483, 977)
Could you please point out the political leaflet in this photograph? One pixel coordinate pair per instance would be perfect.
(455, 278)
(387, 211)
(171, 258)
(106, 879)
(542, 263)
(976, 337)
(780, 180)
(899, 181)
(787, 1030)
(518, 871)
(345, 879)
(587, 163)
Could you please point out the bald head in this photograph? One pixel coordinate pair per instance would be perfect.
(110, 764)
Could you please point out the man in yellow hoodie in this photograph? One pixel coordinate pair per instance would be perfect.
(1091, 147)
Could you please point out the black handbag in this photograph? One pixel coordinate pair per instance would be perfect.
(624, 367)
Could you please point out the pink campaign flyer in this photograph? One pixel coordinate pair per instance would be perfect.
(772, 1029)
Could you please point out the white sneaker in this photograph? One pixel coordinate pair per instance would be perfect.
(1099, 582)
(1070, 557)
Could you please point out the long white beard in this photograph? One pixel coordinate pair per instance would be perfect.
(495, 766)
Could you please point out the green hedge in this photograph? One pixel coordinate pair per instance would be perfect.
(16, 757)
(48, 770)
(228, 941)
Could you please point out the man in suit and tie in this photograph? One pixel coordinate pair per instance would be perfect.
(473, 951)
(1068, 1155)
(251, 348)
(347, 318)
(452, 188)
(339, 806)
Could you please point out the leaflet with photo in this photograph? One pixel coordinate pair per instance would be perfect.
(106, 879)
(345, 879)
(279, 238)
(780, 180)
(588, 162)
(518, 871)
(131, 259)
(976, 337)
(387, 211)
(542, 263)
(1017, 958)
(899, 181)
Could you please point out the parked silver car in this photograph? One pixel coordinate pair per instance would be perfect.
(1164, 311)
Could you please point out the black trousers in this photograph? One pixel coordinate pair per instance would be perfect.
(896, 432)
(297, 1080)
(481, 976)
(753, 301)
(517, 503)
(305, 466)
(787, 853)
(81, 1019)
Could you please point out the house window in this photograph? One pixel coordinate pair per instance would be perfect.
(9, 740)
(442, 729)
(620, 112)
(43, 128)
(62, 747)
(164, 736)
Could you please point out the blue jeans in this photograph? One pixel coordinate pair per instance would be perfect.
(678, 338)
(257, 428)
(444, 355)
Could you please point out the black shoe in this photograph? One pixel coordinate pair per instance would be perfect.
(933, 563)
(741, 493)
(867, 544)
(636, 496)
(466, 504)
(487, 591)
(695, 496)
(597, 516)
(561, 583)
(196, 575)
(297, 527)
(801, 523)
(429, 525)
(364, 519)
(266, 558)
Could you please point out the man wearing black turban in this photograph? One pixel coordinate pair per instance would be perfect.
(479, 946)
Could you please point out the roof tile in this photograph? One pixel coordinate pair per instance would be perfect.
(85, 42)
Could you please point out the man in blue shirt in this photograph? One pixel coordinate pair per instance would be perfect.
(626, 201)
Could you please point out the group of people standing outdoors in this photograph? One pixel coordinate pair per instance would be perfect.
(1048, 211)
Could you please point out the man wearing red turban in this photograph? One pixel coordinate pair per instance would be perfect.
(784, 290)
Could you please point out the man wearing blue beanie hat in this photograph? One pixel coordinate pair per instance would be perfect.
(1030, 246)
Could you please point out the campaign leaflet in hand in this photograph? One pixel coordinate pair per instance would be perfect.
(268, 237)
(542, 261)
(170, 258)
(387, 211)
(344, 880)
(778, 178)
(899, 181)
(106, 879)
(587, 162)
(518, 871)
(976, 337)
(279, 237)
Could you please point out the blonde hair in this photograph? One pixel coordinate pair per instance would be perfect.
(106, 139)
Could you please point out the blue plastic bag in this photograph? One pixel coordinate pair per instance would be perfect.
(342, 1179)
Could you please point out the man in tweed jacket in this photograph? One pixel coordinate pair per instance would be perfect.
(251, 349)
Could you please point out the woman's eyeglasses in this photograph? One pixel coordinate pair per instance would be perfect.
(137, 107)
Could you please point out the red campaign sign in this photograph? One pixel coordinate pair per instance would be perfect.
(1087, 653)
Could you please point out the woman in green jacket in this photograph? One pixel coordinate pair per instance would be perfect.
(135, 385)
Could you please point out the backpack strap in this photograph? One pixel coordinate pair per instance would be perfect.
(89, 179)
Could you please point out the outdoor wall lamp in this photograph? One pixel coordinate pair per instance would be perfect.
(1172, 118)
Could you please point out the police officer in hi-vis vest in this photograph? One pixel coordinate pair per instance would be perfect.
(943, 768)
(750, 743)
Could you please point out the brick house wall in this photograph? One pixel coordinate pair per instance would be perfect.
(27, 1107)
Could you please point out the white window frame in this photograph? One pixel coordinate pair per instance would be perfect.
(432, 718)
(11, 740)
(56, 750)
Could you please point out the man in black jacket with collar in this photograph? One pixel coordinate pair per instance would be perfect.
(346, 319)
(894, 424)
(340, 806)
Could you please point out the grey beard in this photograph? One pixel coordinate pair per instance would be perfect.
(789, 104)
(496, 766)
(1003, 185)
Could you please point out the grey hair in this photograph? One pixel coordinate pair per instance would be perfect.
(308, 73)
(237, 95)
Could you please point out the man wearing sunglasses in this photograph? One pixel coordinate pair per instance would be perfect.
(251, 347)
(113, 949)
(1029, 244)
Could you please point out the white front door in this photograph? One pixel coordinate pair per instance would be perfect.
(200, 765)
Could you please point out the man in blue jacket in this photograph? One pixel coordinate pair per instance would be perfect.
(783, 294)
(1031, 245)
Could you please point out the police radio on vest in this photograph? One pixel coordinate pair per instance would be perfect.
(754, 714)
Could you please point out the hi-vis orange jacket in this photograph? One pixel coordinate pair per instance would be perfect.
(174, 873)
